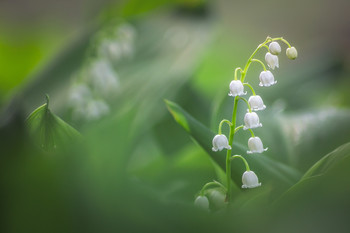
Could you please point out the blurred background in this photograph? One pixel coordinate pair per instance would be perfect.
(108, 66)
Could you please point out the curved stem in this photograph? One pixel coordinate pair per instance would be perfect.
(283, 40)
(242, 126)
(213, 183)
(238, 128)
(245, 161)
(246, 101)
(251, 57)
(268, 39)
(268, 49)
(238, 68)
(228, 154)
(224, 121)
(262, 64)
(251, 132)
(251, 88)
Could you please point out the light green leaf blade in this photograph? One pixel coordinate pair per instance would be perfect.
(318, 171)
(271, 172)
(329, 161)
(48, 130)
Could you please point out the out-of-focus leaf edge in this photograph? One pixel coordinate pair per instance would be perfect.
(318, 170)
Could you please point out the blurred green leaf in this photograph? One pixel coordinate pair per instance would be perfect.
(327, 162)
(320, 169)
(312, 134)
(49, 131)
(271, 172)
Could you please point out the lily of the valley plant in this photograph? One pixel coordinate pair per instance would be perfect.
(251, 118)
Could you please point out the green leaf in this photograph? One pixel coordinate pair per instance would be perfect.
(314, 133)
(327, 178)
(328, 162)
(271, 172)
(320, 169)
(48, 130)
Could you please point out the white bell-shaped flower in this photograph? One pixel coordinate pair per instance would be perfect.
(275, 48)
(255, 145)
(250, 180)
(256, 103)
(271, 60)
(292, 53)
(236, 88)
(251, 120)
(202, 202)
(220, 142)
(266, 79)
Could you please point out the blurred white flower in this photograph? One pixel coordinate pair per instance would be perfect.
(292, 53)
(251, 120)
(271, 60)
(255, 145)
(236, 88)
(266, 79)
(103, 78)
(217, 198)
(250, 180)
(79, 94)
(256, 103)
(96, 109)
(127, 48)
(220, 142)
(202, 202)
(126, 32)
(111, 49)
(275, 48)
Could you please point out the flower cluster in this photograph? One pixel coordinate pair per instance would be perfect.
(254, 104)
(98, 80)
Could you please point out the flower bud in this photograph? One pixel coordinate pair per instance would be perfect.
(217, 199)
(251, 120)
(256, 103)
(275, 48)
(266, 79)
(271, 60)
(292, 53)
(250, 180)
(236, 88)
(220, 142)
(255, 145)
(202, 202)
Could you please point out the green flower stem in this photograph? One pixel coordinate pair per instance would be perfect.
(241, 126)
(268, 49)
(283, 40)
(268, 39)
(251, 57)
(228, 155)
(245, 161)
(251, 132)
(251, 88)
(213, 183)
(246, 101)
(238, 68)
(224, 121)
(262, 64)
(238, 128)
